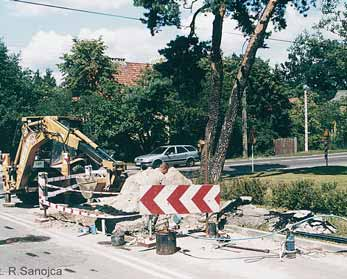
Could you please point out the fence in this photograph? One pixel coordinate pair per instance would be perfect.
(285, 146)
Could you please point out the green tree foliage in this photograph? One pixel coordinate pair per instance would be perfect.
(331, 116)
(184, 67)
(133, 121)
(168, 12)
(86, 68)
(267, 105)
(52, 99)
(17, 97)
(319, 63)
(151, 107)
(335, 18)
(253, 17)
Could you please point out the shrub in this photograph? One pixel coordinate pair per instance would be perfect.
(235, 188)
(301, 194)
(297, 195)
(336, 203)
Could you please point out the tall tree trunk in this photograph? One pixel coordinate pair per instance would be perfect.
(244, 124)
(215, 94)
(255, 42)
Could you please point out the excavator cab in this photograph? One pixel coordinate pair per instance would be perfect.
(55, 145)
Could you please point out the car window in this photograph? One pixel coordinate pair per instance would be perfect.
(181, 149)
(170, 151)
(190, 148)
(158, 150)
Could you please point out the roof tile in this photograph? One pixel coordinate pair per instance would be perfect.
(129, 73)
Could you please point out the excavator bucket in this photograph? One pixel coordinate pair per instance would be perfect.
(87, 185)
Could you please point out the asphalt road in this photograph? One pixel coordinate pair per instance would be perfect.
(26, 245)
(244, 166)
(239, 167)
(55, 247)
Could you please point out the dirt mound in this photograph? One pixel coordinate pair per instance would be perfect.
(147, 177)
(128, 199)
(174, 177)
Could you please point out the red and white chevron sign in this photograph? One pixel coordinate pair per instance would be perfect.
(179, 199)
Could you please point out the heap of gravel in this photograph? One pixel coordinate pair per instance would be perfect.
(128, 199)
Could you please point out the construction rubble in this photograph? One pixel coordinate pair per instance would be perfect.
(238, 212)
(261, 218)
(128, 200)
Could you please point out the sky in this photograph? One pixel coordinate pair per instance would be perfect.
(41, 35)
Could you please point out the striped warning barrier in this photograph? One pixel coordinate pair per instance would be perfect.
(45, 204)
(72, 176)
(82, 212)
(71, 189)
(62, 178)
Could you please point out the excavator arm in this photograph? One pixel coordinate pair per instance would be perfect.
(36, 131)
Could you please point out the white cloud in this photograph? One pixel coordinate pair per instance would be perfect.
(297, 23)
(135, 44)
(233, 43)
(100, 5)
(44, 50)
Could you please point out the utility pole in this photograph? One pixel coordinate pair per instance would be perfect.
(306, 118)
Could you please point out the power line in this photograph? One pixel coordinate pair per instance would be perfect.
(76, 10)
(242, 35)
(120, 16)
(271, 39)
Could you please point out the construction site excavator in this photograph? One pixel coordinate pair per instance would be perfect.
(55, 145)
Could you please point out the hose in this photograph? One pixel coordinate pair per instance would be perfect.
(267, 234)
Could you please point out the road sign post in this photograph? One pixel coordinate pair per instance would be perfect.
(252, 158)
(252, 140)
(326, 140)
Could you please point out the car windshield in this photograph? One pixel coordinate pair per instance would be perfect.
(158, 150)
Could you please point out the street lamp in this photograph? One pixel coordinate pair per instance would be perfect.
(306, 88)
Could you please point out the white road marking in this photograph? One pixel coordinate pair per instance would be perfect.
(283, 160)
(133, 262)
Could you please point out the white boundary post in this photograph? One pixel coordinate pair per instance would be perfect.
(43, 194)
(103, 226)
(88, 170)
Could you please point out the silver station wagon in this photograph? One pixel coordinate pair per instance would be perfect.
(174, 155)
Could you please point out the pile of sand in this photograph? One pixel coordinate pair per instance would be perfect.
(147, 177)
(174, 177)
(128, 200)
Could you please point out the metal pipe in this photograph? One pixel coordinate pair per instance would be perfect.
(333, 238)
(247, 248)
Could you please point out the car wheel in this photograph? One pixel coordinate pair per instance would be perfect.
(190, 162)
(156, 164)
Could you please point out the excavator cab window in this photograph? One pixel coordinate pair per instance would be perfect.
(57, 150)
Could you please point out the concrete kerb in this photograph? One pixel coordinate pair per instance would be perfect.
(300, 241)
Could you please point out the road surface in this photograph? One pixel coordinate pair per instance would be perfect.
(59, 249)
(238, 167)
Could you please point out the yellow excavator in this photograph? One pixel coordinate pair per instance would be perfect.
(55, 145)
